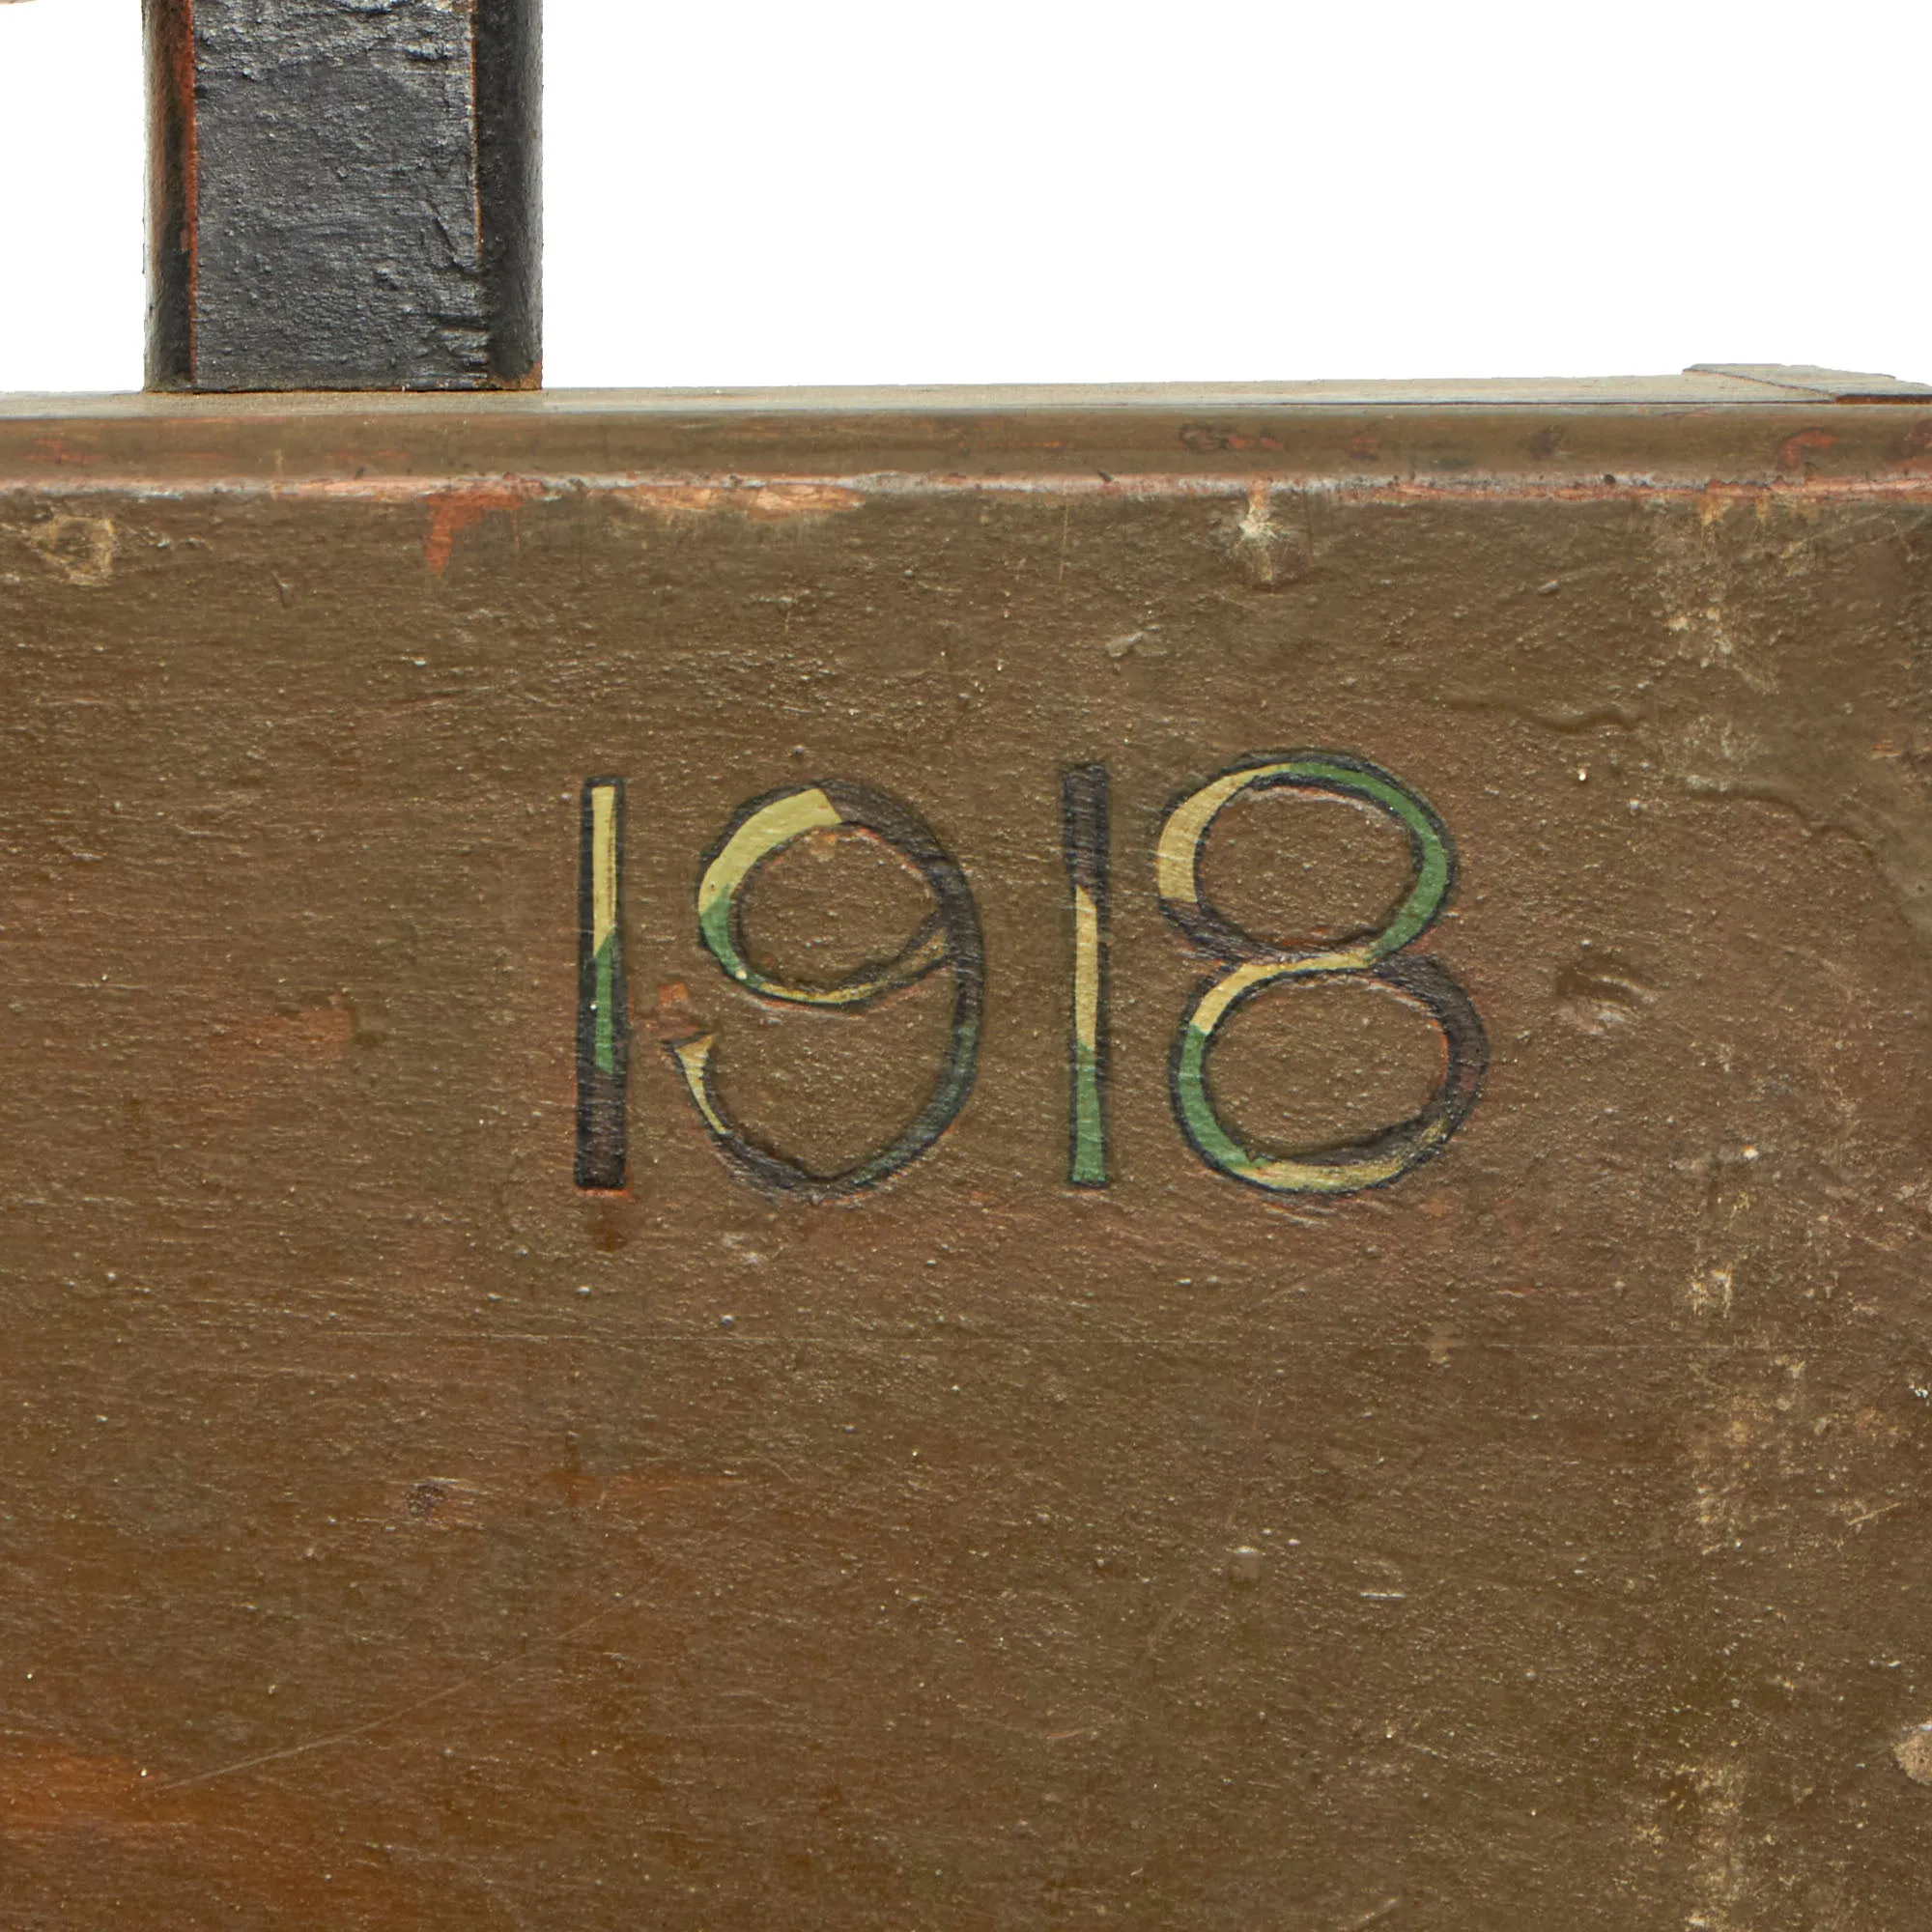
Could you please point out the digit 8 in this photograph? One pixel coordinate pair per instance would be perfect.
(1253, 966)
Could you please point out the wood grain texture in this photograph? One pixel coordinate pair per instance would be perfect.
(396, 1535)
(343, 196)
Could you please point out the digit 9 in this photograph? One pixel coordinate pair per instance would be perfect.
(947, 941)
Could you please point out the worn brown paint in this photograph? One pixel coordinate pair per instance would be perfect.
(399, 1536)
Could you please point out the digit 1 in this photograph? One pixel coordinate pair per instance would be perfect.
(1083, 818)
(602, 1023)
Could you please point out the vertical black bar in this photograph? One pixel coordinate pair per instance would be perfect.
(1084, 837)
(344, 195)
(603, 1012)
(169, 31)
(509, 148)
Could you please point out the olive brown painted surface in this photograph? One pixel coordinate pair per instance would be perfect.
(397, 1535)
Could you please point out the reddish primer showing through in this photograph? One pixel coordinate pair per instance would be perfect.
(1795, 451)
(451, 512)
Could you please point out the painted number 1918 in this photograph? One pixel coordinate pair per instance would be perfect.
(948, 941)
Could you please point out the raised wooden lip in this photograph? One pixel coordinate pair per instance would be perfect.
(1594, 439)
(1705, 386)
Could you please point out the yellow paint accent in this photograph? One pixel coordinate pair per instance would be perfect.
(1177, 861)
(1086, 969)
(1176, 858)
(1303, 1177)
(694, 1062)
(761, 834)
(602, 865)
(1251, 973)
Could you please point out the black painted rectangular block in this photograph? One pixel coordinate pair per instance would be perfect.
(343, 194)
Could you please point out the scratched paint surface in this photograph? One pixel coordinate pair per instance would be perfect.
(396, 1535)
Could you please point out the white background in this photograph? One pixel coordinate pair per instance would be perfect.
(846, 191)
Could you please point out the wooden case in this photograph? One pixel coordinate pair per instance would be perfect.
(952, 1161)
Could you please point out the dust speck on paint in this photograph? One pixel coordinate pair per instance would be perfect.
(1244, 1565)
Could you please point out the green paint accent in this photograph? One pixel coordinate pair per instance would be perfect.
(1413, 916)
(1088, 1166)
(605, 968)
(1212, 1141)
(714, 923)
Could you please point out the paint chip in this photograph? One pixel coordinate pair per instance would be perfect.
(79, 549)
(1914, 1753)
